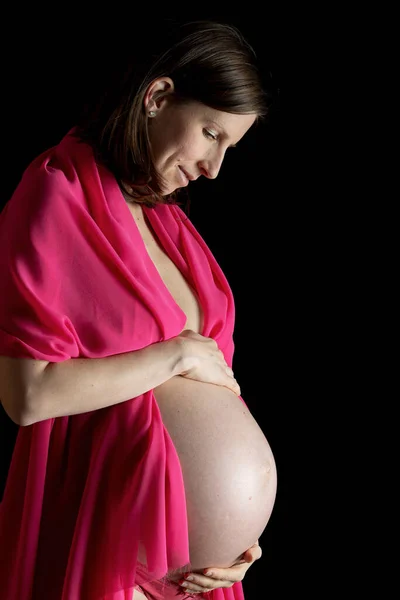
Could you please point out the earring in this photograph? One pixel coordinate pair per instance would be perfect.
(152, 113)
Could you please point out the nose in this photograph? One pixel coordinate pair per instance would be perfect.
(210, 167)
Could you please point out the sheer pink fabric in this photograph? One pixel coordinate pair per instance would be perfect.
(84, 493)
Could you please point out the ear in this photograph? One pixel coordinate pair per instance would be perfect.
(156, 93)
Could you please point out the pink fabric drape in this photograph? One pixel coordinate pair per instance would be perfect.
(85, 492)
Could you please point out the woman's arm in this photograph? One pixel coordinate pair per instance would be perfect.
(34, 390)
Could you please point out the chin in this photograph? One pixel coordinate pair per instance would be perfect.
(170, 190)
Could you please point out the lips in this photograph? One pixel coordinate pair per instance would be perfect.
(183, 175)
(190, 177)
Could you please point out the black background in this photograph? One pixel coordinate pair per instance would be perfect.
(258, 217)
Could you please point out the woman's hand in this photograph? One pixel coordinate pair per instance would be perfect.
(202, 360)
(213, 578)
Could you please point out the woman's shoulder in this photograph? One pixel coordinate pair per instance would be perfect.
(51, 176)
(47, 199)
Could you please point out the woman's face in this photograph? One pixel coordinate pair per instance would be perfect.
(189, 140)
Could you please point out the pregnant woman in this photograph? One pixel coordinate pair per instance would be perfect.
(137, 462)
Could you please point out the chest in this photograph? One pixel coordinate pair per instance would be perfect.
(176, 284)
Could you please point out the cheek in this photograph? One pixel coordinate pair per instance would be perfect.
(191, 149)
(173, 145)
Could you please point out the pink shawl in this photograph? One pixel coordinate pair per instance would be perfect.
(84, 491)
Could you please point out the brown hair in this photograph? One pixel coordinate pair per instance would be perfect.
(209, 62)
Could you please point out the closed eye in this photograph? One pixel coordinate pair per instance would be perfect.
(213, 136)
(210, 135)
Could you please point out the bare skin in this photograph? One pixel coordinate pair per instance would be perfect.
(187, 407)
(194, 139)
(215, 578)
(227, 464)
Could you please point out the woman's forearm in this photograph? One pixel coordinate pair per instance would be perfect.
(80, 385)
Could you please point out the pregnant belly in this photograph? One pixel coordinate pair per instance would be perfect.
(228, 468)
